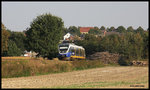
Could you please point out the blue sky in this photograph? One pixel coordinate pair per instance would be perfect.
(17, 16)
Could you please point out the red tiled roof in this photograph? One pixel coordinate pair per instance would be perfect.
(85, 29)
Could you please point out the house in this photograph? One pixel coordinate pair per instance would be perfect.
(85, 30)
(68, 36)
(29, 54)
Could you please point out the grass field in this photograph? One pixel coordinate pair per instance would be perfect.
(79, 74)
(104, 77)
(21, 58)
(26, 66)
(143, 83)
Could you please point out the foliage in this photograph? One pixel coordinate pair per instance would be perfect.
(121, 29)
(44, 35)
(130, 45)
(102, 28)
(4, 42)
(19, 39)
(94, 31)
(13, 50)
(65, 31)
(140, 29)
(74, 30)
(130, 29)
(90, 43)
(111, 29)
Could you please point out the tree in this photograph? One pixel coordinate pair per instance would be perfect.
(13, 50)
(137, 45)
(90, 43)
(74, 30)
(110, 43)
(111, 28)
(19, 39)
(121, 29)
(130, 29)
(96, 28)
(44, 35)
(145, 45)
(4, 42)
(94, 31)
(107, 29)
(102, 28)
(140, 30)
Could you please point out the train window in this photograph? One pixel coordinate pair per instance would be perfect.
(73, 51)
(80, 52)
(84, 53)
(70, 49)
(77, 52)
(63, 50)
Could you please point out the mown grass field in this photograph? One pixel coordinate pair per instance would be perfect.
(143, 83)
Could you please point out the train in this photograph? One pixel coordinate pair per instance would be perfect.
(70, 51)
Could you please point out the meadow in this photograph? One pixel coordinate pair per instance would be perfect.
(27, 66)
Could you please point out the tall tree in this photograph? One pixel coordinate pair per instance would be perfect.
(4, 42)
(111, 29)
(74, 30)
(13, 50)
(121, 29)
(102, 28)
(44, 35)
(90, 43)
(94, 31)
(130, 29)
(19, 39)
(140, 30)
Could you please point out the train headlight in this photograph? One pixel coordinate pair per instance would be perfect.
(72, 53)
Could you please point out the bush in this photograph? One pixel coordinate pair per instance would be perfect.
(84, 64)
(124, 61)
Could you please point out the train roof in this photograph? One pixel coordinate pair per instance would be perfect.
(71, 44)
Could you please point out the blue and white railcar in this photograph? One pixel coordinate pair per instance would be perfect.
(70, 51)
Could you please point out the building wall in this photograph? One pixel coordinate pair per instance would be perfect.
(84, 32)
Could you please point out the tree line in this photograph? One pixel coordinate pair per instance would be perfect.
(130, 45)
(47, 30)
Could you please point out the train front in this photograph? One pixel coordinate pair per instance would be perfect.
(64, 53)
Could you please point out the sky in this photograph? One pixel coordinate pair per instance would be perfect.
(17, 16)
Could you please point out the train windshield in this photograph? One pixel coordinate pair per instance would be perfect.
(63, 48)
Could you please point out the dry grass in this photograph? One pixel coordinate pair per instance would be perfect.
(26, 66)
(21, 58)
(17, 68)
(14, 57)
